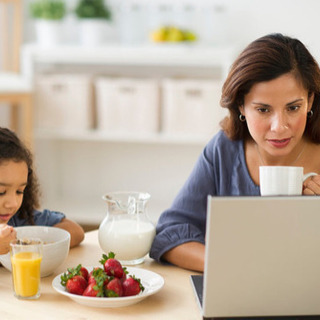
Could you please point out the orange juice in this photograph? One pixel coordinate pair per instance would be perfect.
(26, 273)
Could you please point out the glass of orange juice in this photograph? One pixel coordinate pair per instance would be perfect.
(26, 256)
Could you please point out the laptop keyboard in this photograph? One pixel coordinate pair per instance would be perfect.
(197, 281)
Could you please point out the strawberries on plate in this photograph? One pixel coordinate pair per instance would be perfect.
(109, 281)
(84, 273)
(76, 285)
(112, 266)
(74, 280)
(132, 286)
(114, 288)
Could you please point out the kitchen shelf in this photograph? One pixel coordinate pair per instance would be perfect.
(154, 55)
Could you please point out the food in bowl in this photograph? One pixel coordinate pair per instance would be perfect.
(56, 244)
(172, 34)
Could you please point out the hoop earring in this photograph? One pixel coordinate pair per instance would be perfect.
(310, 114)
(242, 118)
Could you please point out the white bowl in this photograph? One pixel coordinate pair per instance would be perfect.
(55, 248)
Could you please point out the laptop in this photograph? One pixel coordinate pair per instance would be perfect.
(262, 258)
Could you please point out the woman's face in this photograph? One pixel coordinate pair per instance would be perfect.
(13, 180)
(276, 114)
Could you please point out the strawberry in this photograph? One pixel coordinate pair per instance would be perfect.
(74, 281)
(76, 285)
(124, 277)
(98, 280)
(77, 271)
(105, 283)
(93, 280)
(91, 290)
(114, 288)
(112, 266)
(132, 286)
(91, 277)
(84, 272)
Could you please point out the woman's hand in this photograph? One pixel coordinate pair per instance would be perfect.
(311, 186)
(7, 234)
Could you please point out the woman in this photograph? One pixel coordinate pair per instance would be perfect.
(19, 194)
(273, 96)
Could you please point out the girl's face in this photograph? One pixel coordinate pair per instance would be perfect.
(276, 114)
(13, 180)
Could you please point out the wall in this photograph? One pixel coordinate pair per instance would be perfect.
(251, 19)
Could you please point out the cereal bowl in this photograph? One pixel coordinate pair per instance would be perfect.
(56, 243)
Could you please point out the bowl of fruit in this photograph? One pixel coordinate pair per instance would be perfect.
(172, 34)
(108, 285)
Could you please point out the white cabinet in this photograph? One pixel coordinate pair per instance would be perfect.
(77, 166)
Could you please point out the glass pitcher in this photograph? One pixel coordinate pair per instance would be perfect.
(126, 230)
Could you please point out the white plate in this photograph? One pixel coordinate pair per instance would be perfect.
(151, 281)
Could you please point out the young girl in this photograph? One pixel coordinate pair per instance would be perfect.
(19, 194)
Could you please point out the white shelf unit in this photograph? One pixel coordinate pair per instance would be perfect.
(76, 168)
(174, 55)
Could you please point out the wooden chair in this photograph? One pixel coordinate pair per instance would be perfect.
(15, 89)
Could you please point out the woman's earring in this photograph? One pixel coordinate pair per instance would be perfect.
(242, 118)
(310, 114)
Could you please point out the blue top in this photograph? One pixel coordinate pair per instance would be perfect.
(221, 170)
(41, 218)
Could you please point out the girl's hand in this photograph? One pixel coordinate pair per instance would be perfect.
(7, 234)
(311, 186)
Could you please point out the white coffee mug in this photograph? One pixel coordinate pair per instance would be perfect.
(282, 180)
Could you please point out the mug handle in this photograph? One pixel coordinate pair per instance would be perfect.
(308, 175)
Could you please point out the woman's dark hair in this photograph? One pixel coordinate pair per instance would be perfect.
(12, 149)
(266, 59)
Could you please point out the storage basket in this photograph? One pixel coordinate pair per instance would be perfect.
(63, 101)
(127, 105)
(191, 106)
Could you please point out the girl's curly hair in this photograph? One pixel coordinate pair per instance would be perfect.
(12, 148)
